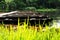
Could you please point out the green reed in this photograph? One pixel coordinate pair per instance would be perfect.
(24, 33)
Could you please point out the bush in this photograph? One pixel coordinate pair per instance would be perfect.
(30, 8)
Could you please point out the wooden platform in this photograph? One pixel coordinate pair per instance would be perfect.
(34, 17)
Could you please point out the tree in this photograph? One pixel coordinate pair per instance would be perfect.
(12, 6)
(2, 6)
(32, 3)
(20, 4)
(8, 1)
(52, 3)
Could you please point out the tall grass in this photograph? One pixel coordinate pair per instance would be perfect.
(24, 33)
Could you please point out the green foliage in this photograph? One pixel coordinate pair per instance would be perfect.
(30, 8)
(2, 6)
(8, 1)
(22, 4)
(12, 6)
